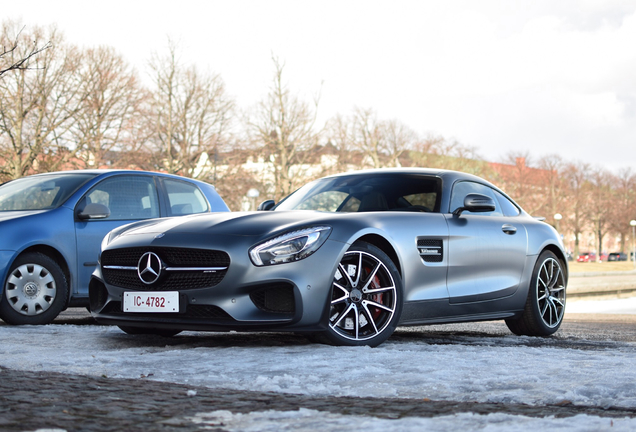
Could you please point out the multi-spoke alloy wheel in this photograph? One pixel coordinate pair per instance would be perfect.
(545, 305)
(35, 291)
(366, 299)
(551, 292)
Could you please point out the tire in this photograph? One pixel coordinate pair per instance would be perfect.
(545, 305)
(149, 331)
(366, 299)
(35, 291)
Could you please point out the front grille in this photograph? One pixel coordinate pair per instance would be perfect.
(193, 312)
(175, 257)
(276, 298)
(172, 257)
(431, 250)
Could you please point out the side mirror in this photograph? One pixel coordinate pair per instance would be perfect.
(266, 205)
(476, 203)
(93, 211)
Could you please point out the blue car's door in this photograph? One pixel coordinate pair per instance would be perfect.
(129, 198)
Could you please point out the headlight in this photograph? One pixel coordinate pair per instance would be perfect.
(292, 246)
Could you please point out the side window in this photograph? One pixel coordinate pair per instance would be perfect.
(128, 197)
(508, 208)
(184, 198)
(426, 200)
(461, 189)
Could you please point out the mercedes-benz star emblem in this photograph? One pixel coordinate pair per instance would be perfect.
(149, 268)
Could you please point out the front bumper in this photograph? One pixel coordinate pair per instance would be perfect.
(292, 296)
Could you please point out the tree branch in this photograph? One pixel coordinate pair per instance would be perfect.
(22, 63)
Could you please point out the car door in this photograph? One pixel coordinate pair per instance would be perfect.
(129, 198)
(487, 251)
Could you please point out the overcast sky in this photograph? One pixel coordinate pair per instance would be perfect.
(544, 77)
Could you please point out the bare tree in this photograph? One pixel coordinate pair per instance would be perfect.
(437, 152)
(107, 126)
(188, 116)
(282, 126)
(601, 202)
(552, 199)
(399, 139)
(575, 176)
(624, 205)
(340, 142)
(8, 60)
(38, 106)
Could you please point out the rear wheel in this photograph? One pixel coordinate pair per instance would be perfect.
(35, 291)
(366, 298)
(545, 305)
(149, 331)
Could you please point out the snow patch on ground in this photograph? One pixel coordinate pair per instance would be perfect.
(311, 420)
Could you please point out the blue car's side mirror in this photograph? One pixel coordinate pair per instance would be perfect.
(93, 211)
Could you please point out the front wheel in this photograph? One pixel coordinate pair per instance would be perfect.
(366, 298)
(35, 291)
(545, 305)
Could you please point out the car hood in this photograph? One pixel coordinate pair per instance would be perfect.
(233, 223)
(10, 215)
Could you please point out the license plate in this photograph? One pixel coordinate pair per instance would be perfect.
(151, 301)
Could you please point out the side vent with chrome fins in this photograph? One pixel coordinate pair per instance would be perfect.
(431, 250)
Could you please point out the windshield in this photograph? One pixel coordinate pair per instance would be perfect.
(40, 192)
(367, 192)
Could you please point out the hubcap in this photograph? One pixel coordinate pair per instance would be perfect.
(363, 297)
(30, 289)
(551, 292)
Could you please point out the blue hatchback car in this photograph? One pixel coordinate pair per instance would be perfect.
(52, 226)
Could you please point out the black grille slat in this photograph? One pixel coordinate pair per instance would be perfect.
(431, 250)
(175, 280)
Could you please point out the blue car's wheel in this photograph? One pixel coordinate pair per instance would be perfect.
(35, 291)
(366, 299)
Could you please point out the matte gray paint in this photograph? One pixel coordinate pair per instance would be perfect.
(474, 281)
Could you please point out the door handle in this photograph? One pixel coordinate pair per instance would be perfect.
(509, 229)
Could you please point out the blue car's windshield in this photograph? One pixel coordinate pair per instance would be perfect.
(370, 192)
(40, 192)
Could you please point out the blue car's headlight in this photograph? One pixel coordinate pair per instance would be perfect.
(292, 246)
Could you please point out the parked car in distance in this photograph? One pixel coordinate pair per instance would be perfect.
(52, 226)
(344, 259)
(586, 257)
(617, 256)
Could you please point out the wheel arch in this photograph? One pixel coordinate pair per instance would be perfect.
(560, 255)
(386, 247)
(55, 255)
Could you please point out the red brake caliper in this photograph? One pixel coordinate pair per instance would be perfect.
(375, 283)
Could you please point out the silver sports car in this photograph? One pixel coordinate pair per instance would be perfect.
(344, 259)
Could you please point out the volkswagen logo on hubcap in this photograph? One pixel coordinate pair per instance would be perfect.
(149, 268)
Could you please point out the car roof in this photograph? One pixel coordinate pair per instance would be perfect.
(447, 175)
(112, 171)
